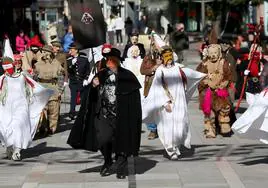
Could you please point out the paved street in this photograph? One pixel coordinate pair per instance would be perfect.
(211, 163)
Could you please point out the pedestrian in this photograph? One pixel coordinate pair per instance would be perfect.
(213, 92)
(78, 71)
(113, 117)
(22, 41)
(119, 26)
(111, 29)
(166, 105)
(22, 100)
(47, 71)
(68, 39)
(134, 40)
(128, 28)
(179, 41)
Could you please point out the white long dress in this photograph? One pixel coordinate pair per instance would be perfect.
(19, 116)
(253, 123)
(134, 65)
(173, 128)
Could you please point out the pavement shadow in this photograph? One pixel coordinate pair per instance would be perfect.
(41, 149)
(241, 110)
(65, 124)
(141, 166)
(256, 160)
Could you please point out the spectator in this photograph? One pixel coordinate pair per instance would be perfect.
(68, 39)
(179, 41)
(22, 41)
(128, 28)
(119, 26)
(110, 29)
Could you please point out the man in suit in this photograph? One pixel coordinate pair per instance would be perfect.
(78, 71)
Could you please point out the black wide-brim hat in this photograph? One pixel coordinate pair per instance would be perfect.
(114, 53)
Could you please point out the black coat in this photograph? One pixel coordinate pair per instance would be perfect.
(179, 41)
(79, 71)
(141, 48)
(128, 120)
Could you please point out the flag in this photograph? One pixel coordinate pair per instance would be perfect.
(88, 23)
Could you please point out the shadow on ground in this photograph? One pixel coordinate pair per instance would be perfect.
(142, 165)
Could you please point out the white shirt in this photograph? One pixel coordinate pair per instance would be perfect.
(119, 23)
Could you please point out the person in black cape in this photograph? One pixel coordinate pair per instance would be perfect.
(110, 120)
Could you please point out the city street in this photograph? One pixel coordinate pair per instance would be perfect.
(210, 163)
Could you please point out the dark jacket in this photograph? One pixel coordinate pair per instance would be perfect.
(141, 48)
(1, 68)
(79, 71)
(128, 121)
(179, 41)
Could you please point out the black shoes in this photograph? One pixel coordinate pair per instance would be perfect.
(121, 165)
(71, 116)
(106, 170)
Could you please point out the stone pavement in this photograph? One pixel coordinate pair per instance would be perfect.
(211, 163)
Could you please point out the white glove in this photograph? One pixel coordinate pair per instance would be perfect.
(259, 74)
(65, 84)
(91, 76)
(85, 83)
(246, 72)
(74, 60)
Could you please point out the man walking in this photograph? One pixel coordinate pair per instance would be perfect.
(78, 70)
(47, 70)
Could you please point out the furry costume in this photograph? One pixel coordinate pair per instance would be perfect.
(213, 91)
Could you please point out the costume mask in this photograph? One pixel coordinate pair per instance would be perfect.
(8, 67)
(214, 52)
(134, 51)
(46, 56)
(134, 40)
(34, 49)
(112, 63)
(167, 57)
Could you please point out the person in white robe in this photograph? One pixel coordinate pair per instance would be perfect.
(253, 123)
(166, 103)
(133, 63)
(21, 103)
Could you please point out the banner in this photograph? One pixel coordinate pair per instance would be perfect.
(88, 23)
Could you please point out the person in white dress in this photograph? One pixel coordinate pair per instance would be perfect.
(253, 123)
(21, 103)
(166, 103)
(133, 63)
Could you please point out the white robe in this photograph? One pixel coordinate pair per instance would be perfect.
(173, 128)
(253, 123)
(18, 117)
(134, 66)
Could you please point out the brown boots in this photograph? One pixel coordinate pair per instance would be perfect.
(210, 128)
(224, 124)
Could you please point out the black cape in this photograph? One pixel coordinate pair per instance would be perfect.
(129, 116)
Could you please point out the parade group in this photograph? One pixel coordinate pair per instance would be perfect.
(118, 93)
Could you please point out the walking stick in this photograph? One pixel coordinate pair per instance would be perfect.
(258, 29)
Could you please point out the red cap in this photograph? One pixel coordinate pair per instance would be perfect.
(35, 41)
